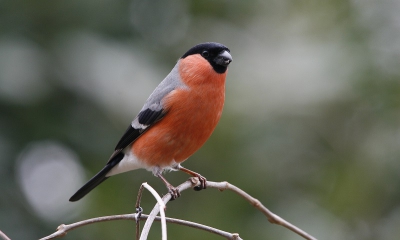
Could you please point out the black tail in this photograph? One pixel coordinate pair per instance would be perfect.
(96, 180)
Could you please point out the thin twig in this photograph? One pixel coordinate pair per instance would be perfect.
(272, 218)
(4, 236)
(64, 228)
(139, 196)
(137, 230)
(138, 210)
(162, 207)
(227, 235)
(192, 182)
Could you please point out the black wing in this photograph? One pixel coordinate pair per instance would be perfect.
(146, 119)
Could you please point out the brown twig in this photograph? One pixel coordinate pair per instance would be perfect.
(63, 229)
(272, 218)
(227, 235)
(138, 210)
(192, 182)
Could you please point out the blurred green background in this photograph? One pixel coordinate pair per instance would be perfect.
(311, 125)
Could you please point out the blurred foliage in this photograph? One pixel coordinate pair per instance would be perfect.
(311, 125)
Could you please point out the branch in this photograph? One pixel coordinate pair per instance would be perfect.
(139, 211)
(63, 229)
(227, 235)
(192, 182)
(272, 218)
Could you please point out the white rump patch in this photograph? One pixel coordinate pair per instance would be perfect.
(128, 163)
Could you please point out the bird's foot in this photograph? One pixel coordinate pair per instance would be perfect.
(202, 180)
(203, 183)
(175, 193)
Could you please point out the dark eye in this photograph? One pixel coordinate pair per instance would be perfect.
(205, 54)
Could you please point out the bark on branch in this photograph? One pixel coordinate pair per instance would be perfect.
(192, 182)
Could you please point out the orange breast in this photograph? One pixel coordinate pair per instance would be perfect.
(193, 114)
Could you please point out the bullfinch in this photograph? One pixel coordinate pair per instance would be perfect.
(175, 121)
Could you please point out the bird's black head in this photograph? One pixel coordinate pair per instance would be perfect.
(216, 54)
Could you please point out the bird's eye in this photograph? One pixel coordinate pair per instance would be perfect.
(205, 54)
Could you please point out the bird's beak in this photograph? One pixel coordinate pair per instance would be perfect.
(223, 59)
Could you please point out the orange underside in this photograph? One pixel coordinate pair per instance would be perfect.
(192, 116)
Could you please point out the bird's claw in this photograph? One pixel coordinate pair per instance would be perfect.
(202, 185)
(175, 193)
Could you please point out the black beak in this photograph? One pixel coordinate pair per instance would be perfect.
(223, 59)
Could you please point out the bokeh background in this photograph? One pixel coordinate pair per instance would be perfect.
(311, 125)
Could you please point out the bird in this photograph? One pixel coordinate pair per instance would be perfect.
(175, 121)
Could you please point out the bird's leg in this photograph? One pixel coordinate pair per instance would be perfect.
(171, 189)
(202, 179)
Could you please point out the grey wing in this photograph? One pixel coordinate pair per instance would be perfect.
(152, 111)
